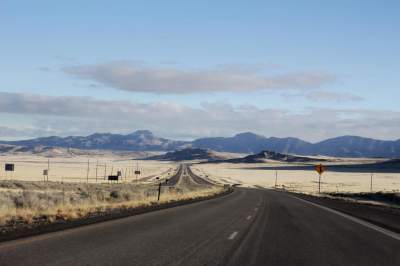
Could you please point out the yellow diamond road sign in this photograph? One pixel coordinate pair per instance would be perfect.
(320, 168)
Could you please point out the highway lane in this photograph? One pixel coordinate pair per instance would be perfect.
(184, 177)
(247, 227)
(173, 180)
(199, 180)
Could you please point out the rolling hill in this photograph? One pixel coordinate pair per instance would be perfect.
(187, 155)
(141, 140)
(267, 156)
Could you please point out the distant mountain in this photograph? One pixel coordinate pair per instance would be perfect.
(187, 155)
(353, 146)
(266, 156)
(212, 156)
(141, 140)
(345, 146)
(4, 148)
(251, 143)
(53, 151)
(144, 140)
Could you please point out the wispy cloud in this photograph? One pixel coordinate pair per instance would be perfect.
(82, 115)
(329, 96)
(129, 76)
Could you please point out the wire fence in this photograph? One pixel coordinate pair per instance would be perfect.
(303, 180)
(81, 170)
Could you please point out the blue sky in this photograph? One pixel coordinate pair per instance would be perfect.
(186, 69)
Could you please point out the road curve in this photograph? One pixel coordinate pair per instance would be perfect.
(246, 227)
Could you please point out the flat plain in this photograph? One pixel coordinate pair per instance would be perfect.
(306, 181)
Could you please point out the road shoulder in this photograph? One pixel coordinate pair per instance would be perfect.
(385, 217)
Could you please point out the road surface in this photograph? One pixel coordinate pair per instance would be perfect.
(185, 177)
(246, 227)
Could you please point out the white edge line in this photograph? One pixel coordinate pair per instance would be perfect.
(233, 235)
(356, 220)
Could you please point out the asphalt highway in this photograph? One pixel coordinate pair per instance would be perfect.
(173, 180)
(197, 178)
(246, 227)
(185, 177)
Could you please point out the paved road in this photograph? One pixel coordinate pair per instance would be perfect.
(173, 180)
(199, 180)
(247, 227)
(185, 177)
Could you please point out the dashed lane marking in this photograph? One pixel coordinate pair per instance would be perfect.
(248, 217)
(233, 235)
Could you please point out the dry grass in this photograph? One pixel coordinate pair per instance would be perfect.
(28, 199)
(29, 202)
(30, 167)
(298, 180)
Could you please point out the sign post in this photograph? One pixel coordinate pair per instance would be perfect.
(9, 167)
(45, 174)
(159, 189)
(320, 169)
(137, 173)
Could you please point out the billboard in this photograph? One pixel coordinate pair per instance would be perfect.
(113, 177)
(9, 167)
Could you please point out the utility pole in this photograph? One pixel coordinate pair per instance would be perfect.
(137, 169)
(370, 186)
(63, 189)
(319, 184)
(48, 168)
(276, 179)
(97, 165)
(87, 172)
(105, 171)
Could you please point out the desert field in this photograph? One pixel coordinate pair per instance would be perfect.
(29, 167)
(92, 169)
(298, 180)
(76, 188)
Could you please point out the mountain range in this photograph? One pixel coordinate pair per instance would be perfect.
(188, 155)
(144, 140)
(266, 156)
